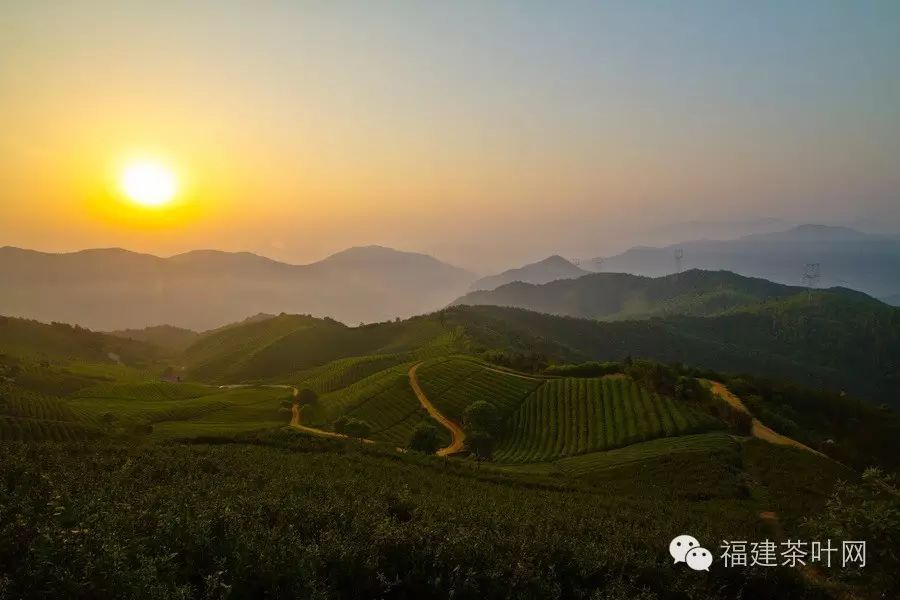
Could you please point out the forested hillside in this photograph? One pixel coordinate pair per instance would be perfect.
(618, 296)
(839, 341)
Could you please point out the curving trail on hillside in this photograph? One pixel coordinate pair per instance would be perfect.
(759, 430)
(459, 436)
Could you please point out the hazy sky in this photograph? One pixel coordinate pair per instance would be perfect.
(487, 133)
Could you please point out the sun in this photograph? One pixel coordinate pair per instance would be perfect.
(148, 183)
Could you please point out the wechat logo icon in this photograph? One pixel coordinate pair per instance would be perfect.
(686, 549)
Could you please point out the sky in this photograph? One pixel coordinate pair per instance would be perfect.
(485, 133)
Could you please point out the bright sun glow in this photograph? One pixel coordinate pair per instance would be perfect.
(149, 184)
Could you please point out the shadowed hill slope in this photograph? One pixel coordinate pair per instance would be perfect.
(614, 296)
(833, 340)
(280, 347)
(59, 341)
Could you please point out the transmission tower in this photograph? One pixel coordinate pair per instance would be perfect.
(679, 256)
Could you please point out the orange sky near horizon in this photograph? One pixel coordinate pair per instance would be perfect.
(483, 135)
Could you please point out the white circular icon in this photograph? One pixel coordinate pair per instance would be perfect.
(699, 559)
(680, 545)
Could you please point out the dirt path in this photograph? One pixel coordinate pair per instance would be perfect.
(456, 431)
(758, 430)
(296, 424)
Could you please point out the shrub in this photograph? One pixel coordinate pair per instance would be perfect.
(425, 438)
(357, 428)
(481, 416)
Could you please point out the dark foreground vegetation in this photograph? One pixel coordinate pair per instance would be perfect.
(282, 515)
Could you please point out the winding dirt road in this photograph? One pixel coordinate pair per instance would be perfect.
(759, 429)
(459, 436)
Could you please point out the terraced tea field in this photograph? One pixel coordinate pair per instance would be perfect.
(385, 400)
(148, 391)
(237, 409)
(341, 373)
(32, 417)
(455, 383)
(568, 417)
(680, 447)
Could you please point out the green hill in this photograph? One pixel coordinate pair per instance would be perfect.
(836, 340)
(284, 346)
(59, 341)
(617, 296)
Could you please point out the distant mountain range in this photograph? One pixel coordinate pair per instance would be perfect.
(549, 269)
(115, 289)
(715, 230)
(111, 289)
(845, 257)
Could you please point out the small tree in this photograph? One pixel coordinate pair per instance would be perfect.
(309, 414)
(306, 397)
(481, 416)
(868, 509)
(425, 438)
(481, 445)
(340, 425)
(357, 428)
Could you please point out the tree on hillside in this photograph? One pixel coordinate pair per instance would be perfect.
(306, 397)
(481, 416)
(481, 445)
(309, 414)
(340, 424)
(357, 428)
(425, 438)
(868, 509)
